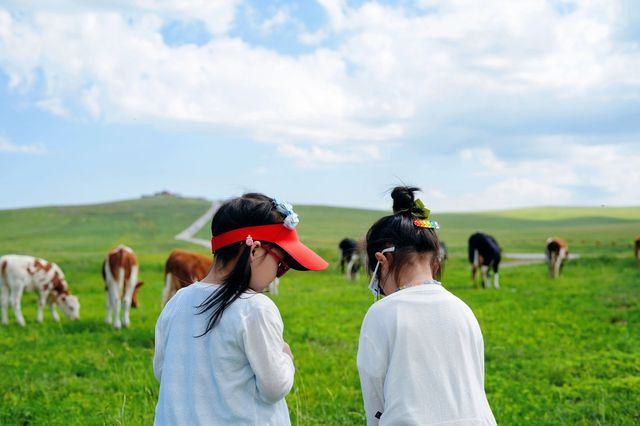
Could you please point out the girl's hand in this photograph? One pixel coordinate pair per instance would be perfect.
(287, 350)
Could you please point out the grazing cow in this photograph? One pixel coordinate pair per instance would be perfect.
(557, 252)
(120, 274)
(443, 255)
(350, 258)
(484, 253)
(26, 273)
(637, 250)
(182, 269)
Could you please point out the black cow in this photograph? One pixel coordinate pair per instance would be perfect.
(484, 253)
(350, 258)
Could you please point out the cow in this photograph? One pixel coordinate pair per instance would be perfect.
(20, 273)
(442, 257)
(350, 258)
(484, 253)
(121, 285)
(637, 250)
(557, 253)
(182, 269)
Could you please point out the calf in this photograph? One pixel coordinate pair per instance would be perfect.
(350, 258)
(182, 269)
(120, 274)
(26, 273)
(484, 253)
(557, 252)
(637, 250)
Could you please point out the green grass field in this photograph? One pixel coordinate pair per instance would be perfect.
(557, 352)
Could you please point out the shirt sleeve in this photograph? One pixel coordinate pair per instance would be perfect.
(372, 367)
(263, 343)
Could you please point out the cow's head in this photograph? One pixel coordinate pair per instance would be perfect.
(134, 299)
(70, 305)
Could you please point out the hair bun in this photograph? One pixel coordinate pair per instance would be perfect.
(403, 198)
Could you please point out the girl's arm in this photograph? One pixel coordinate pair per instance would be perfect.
(158, 354)
(264, 347)
(160, 337)
(372, 367)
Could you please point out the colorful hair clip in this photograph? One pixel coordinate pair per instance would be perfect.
(423, 223)
(248, 241)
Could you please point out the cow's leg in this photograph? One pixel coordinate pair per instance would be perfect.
(473, 275)
(4, 302)
(16, 297)
(166, 291)
(128, 296)
(115, 305)
(54, 312)
(42, 299)
(485, 276)
(273, 286)
(108, 319)
(475, 264)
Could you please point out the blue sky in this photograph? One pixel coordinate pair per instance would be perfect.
(485, 105)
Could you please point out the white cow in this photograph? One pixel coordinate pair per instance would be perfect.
(27, 273)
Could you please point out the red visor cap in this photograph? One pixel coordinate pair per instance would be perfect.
(285, 238)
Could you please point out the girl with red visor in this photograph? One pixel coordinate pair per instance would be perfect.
(220, 356)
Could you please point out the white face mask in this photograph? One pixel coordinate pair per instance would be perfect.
(374, 285)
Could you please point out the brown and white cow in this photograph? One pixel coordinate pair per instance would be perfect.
(557, 252)
(20, 273)
(120, 274)
(182, 269)
(637, 250)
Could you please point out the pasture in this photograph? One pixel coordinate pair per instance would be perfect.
(557, 352)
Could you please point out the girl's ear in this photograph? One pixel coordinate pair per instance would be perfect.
(380, 258)
(254, 246)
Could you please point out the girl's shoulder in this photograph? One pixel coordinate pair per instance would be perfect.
(251, 300)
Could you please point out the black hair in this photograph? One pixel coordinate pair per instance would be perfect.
(399, 230)
(251, 209)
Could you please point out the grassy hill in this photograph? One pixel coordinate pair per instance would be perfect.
(557, 352)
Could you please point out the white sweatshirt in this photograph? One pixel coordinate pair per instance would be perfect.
(237, 374)
(421, 360)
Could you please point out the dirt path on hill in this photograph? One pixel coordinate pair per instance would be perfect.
(520, 259)
(191, 230)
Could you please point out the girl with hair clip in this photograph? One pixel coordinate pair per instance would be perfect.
(421, 353)
(220, 356)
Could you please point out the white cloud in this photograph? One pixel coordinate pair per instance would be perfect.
(54, 106)
(280, 18)
(386, 72)
(7, 146)
(316, 156)
(610, 171)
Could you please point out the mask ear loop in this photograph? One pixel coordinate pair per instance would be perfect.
(374, 285)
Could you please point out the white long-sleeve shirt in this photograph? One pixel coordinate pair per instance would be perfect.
(237, 374)
(421, 361)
